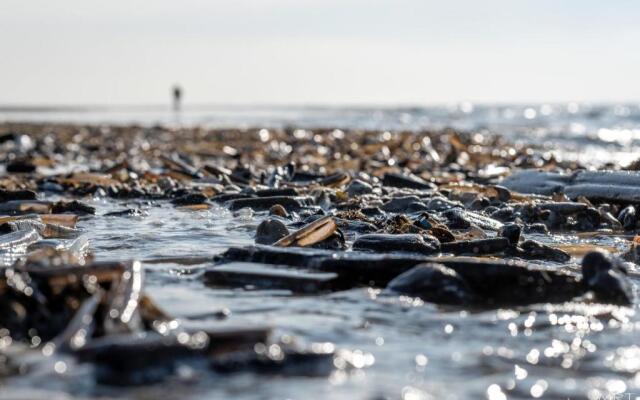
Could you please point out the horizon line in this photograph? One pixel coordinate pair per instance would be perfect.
(152, 107)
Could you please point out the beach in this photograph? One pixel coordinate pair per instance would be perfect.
(349, 253)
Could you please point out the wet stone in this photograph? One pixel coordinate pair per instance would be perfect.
(413, 243)
(12, 238)
(408, 204)
(265, 203)
(335, 180)
(190, 199)
(534, 181)
(277, 192)
(439, 204)
(74, 206)
(424, 221)
(564, 208)
(434, 283)
(372, 212)
(534, 250)
(336, 241)
(261, 276)
(358, 188)
(498, 282)
(279, 211)
(511, 232)
(8, 195)
(479, 204)
(476, 247)
(270, 231)
(225, 197)
(502, 194)
(20, 166)
(158, 356)
(628, 218)
(504, 214)
(129, 212)
(287, 360)
(351, 227)
(536, 228)
(442, 233)
(495, 282)
(614, 186)
(461, 219)
(606, 276)
(406, 181)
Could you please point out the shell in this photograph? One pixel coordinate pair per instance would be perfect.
(310, 234)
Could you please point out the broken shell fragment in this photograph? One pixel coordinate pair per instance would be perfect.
(310, 234)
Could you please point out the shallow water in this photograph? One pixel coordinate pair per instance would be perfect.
(416, 350)
(593, 133)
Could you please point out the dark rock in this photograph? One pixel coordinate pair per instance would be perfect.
(434, 283)
(20, 166)
(439, 204)
(9, 137)
(280, 174)
(406, 181)
(442, 233)
(355, 226)
(265, 203)
(8, 195)
(261, 276)
(277, 192)
(51, 187)
(563, 208)
(502, 193)
(423, 222)
(357, 188)
(279, 211)
(628, 218)
(475, 247)
(270, 231)
(538, 182)
(129, 212)
(334, 242)
(479, 203)
(495, 282)
(536, 228)
(613, 186)
(288, 361)
(372, 212)
(74, 207)
(511, 232)
(224, 197)
(157, 356)
(504, 214)
(534, 250)
(189, 199)
(461, 219)
(407, 204)
(606, 276)
(380, 242)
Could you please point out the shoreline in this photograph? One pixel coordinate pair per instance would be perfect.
(349, 220)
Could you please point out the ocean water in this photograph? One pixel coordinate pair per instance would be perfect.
(416, 350)
(597, 133)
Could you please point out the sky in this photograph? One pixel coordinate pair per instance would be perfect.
(328, 52)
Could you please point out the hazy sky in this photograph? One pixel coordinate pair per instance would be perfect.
(324, 51)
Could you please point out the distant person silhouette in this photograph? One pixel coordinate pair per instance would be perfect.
(177, 97)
